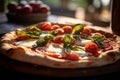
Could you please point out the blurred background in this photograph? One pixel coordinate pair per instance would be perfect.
(97, 12)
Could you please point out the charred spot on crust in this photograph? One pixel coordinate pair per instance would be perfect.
(9, 52)
(112, 55)
(18, 50)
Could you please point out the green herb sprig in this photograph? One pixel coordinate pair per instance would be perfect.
(98, 40)
(43, 41)
(33, 32)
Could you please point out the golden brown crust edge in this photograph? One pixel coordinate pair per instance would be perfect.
(23, 54)
(5, 41)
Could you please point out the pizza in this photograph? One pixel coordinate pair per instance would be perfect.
(58, 45)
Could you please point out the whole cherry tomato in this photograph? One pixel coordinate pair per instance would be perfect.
(92, 48)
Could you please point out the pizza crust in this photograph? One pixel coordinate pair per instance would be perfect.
(26, 55)
(23, 54)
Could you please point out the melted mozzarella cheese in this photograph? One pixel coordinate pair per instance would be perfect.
(52, 48)
(43, 35)
(26, 43)
(83, 42)
(81, 53)
(59, 50)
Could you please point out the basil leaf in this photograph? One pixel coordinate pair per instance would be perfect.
(47, 38)
(33, 32)
(77, 29)
(36, 33)
(100, 45)
(34, 28)
(21, 32)
(43, 41)
(77, 37)
(40, 42)
(67, 43)
(53, 33)
(98, 40)
(76, 48)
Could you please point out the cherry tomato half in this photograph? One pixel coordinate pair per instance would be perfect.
(67, 29)
(86, 32)
(72, 56)
(58, 40)
(55, 27)
(54, 55)
(73, 41)
(46, 26)
(60, 31)
(22, 37)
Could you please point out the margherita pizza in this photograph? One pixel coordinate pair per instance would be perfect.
(61, 46)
